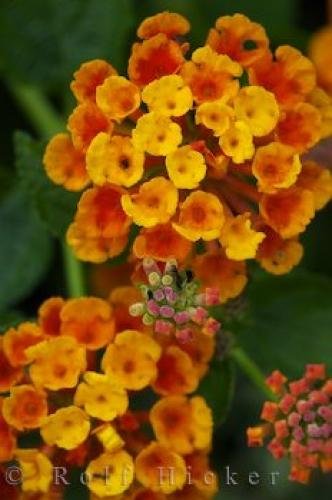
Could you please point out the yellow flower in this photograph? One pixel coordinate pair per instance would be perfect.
(276, 166)
(155, 203)
(109, 437)
(258, 108)
(110, 473)
(36, 470)
(132, 360)
(186, 167)
(239, 239)
(169, 95)
(183, 425)
(101, 397)
(237, 142)
(117, 97)
(152, 461)
(56, 363)
(323, 103)
(215, 115)
(67, 428)
(201, 216)
(156, 134)
(114, 160)
(278, 256)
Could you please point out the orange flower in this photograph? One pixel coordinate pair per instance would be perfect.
(100, 213)
(200, 349)
(200, 472)
(153, 58)
(85, 122)
(210, 75)
(154, 459)
(278, 256)
(241, 39)
(49, 316)
(229, 276)
(201, 216)
(131, 359)
(145, 494)
(122, 298)
(275, 166)
(117, 97)
(64, 164)
(7, 439)
(155, 203)
(88, 77)
(9, 375)
(56, 363)
(176, 373)
(15, 341)
(89, 320)
(161, 243)
(169, 23)
(291, 77)
(25, 408)
(300, 127)
(320, 54)
(318, 180)
(182, 424)
(289, 211)
(95, 249)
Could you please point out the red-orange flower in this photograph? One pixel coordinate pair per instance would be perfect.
(153, 58)
(88, 77)
(162, 243)
(169, 23)
(300, 127)
(89, 320)
(241, 39)
(176, 373)
(100, 213)
(49, 316)
(15, 341)
(289, 211)
(291, 76)
(229, 276)
(25, 408)
(9, 375)
(85, 122)
(276, 255)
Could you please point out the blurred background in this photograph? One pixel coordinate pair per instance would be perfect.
(284, 322)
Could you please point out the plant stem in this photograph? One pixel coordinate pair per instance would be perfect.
(249, 367)
(48, 122)
(74, 273)
(37, 108)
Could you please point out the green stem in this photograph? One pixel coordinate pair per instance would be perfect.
(249, 367)
(74, 273)
(37, 108)
(47, 122)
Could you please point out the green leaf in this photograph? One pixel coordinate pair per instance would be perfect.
(44, 41)
(25, 249)
(217, 388)
(291, 318)
(55, 206)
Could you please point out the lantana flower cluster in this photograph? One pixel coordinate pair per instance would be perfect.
(76, 376)
(205, 147)
(299, 422)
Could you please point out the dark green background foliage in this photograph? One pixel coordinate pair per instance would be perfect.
(286, 321)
